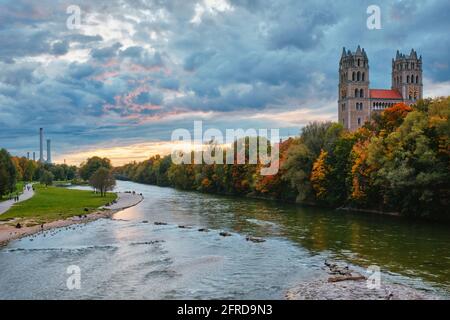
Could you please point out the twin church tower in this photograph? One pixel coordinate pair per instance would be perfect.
(357, 102)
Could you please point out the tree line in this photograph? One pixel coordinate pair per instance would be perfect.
(21, 169)
(96, 171)
(399, 162)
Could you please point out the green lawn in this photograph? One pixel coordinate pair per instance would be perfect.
(53, 203)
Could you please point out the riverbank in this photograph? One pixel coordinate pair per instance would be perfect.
(9, 232)
(343, 283)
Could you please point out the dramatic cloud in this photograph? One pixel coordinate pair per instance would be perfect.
(134, 70)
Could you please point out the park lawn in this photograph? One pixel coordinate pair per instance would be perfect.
(53, 203)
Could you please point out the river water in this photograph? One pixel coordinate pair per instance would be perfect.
(125, 258)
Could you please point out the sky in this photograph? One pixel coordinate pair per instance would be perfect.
(118, 83)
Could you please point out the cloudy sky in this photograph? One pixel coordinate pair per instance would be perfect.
(135, 70)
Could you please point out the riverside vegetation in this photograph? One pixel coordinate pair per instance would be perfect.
(54, 203)
(399, 163)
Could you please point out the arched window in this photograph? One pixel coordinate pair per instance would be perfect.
(361, 93)
(353, 76)
(356, 93)
(417, 79)
(364, 76)
(407, 79)
(358, 77)
(359, 62)
(359, 121)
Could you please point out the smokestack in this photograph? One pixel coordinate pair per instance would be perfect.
(28, 155)
(49, 151)
(34, 156)
(41, 145)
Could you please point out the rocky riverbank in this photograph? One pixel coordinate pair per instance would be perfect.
(343, 283)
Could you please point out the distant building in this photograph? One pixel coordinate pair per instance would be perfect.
(49, 151)
(357, 102)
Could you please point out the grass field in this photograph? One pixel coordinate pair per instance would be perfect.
(52, 203)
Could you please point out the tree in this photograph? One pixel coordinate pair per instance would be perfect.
(7, 173)
(319, 174)
(92, 165)
(47, 178)
(103, 180)
(28, 173)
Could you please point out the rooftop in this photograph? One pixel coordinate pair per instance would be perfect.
(384, 94)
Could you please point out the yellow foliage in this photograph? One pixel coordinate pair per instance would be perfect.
(319, 173)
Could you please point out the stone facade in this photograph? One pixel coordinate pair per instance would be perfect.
(357, 102)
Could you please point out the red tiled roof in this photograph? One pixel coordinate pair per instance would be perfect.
(385, 94)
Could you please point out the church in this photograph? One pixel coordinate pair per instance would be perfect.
(357, 102)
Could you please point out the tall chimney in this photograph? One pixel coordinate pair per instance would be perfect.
(34, 156)
(28, 155)
(41, 145)
(49, 151)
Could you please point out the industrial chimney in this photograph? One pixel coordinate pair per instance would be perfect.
(34, 156)
(41, 145)
(49, 151)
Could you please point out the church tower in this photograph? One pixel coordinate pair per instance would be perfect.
(407, 76)
(354, 106)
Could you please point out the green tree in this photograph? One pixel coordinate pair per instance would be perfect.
(7, 173)
(103, 180)
(88, 168)
(29, 171)
(47, 178)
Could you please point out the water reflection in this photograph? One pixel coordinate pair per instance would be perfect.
(125, 258)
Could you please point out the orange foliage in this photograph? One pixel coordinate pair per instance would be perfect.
(319, 173)
(393, 116)
(360, 170)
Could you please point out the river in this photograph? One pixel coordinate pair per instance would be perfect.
(125, 258)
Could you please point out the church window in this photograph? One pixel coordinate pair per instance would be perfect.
(358, 77)
(364, 76)
(417, 79)
(361, 93)
(359, 121)
(353, 76)
(356, 93)
(407, 79)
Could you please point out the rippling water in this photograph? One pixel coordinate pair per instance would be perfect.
(125, 258)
